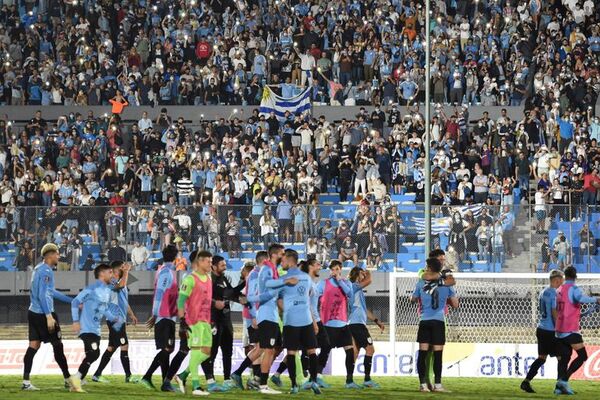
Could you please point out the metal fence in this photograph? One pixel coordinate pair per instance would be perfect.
(384, 237)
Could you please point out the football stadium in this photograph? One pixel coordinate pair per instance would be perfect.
(263, 198)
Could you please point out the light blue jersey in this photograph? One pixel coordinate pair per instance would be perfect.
(266, 296)
(433, 301)
(119, 299)
(252, 291)
(358, 306)
(95, 300)
(296, 299)
(42, 292)
(547, 303)
(165, 293)
(314, 302)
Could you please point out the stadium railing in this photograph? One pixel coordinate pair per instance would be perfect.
(515, 238)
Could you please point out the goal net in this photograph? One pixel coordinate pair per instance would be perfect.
(493, 308)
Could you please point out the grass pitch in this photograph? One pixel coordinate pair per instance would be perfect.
(391, 388)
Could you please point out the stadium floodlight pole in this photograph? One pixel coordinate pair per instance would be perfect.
(427, 140)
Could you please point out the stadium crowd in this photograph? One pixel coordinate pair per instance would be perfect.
(500, 52)
(159, 176)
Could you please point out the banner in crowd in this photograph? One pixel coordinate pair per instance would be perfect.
(442, 225)
(460, 360)
(273, 103)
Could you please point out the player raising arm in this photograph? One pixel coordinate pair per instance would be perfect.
(93, 301)
(569, 298)
(43, 321)
(432, 329)
(334, 293)
(546, 336)
(119, 303)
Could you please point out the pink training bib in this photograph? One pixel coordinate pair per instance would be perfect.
(568, 313)
(168, 306)
(199, 302)
(334, 304)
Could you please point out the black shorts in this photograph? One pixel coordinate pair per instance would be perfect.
(566, 342)
(38, 328)
(117, 338)
(269, 335)
(322, 337)
(361, 335)
(183, 338)
(299, 337)
(253, 336)
(547, 342)
(285, 224)
(91, 342)
(432, 332)
(339, 337)
(164, 334)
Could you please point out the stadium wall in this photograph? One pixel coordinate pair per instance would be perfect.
(460, 360)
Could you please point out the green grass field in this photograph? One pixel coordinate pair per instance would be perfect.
(391, 388)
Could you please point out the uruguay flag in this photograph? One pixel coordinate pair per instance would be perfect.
(442, 225)
(296, 105)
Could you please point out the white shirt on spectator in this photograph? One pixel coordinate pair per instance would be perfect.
(144, 123)
(588, 7)
(139, 255)
(307, 62)
(465, 30)
(540, 201)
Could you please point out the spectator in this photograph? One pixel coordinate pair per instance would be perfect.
(232, 232)
(284, 218)
(267, 228)
(374, 255)
(116, 252)
(139, 256)
(348, 251)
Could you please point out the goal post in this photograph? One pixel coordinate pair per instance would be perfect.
(493, 308)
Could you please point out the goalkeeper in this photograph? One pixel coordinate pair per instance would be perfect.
(435, 278)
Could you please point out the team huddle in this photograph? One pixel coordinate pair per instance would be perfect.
(286, 306)
(294, 312)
